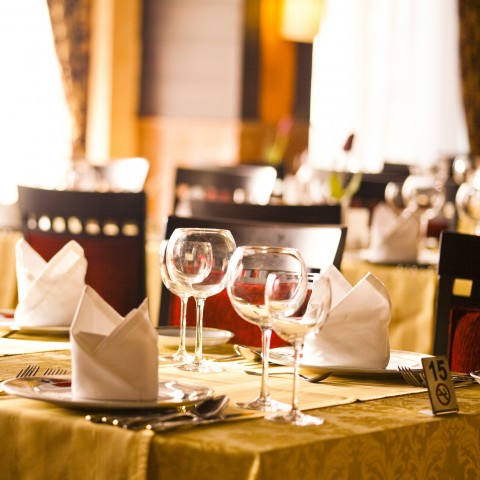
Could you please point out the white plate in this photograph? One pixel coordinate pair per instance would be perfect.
(34, 330)
(284, 355)
(57, 390)
(169, 336)
(476, 375)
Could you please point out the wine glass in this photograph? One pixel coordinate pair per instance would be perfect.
(393, 196)
(424, 195)
(282, 293)
(206, 252)
(247, 274)
(181, 355)
(467, 201)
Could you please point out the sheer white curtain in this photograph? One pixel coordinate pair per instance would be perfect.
(35, 124)
(387, 71)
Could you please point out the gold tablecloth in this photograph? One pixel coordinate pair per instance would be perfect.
(8, 277)
(386, 438)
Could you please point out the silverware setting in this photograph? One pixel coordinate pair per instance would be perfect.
(242, 352)
(312, 379)
(416, 378)
(55, 371)
(209, 411)
(32, 370)
(28, 371)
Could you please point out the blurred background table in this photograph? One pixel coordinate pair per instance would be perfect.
(412, 293)
(8, 277)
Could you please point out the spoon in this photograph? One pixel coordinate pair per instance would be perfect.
(210, 408)
(248, 353)
(314, 379)
(242, 352)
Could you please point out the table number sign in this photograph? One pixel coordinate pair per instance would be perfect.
(440, 386)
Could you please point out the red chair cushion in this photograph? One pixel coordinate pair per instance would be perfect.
(113, 269)
(464, 349)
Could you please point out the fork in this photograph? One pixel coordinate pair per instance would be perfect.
(55, 371)
(411, 377)
(28, 371)
(417, 378)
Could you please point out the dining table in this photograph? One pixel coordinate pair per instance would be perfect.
(375, 426)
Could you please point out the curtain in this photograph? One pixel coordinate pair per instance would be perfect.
(469, 12)
(387, 72)
(70, 21)
(35, 124)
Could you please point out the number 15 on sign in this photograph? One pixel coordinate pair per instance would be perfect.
(440, 385)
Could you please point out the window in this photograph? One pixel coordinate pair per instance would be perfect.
(387, 71)
(35, 124)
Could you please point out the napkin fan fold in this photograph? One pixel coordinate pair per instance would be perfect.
(356, 331)
(393, 236)
(113, 357)
(49, 292)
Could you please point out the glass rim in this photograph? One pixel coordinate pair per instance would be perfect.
(201, 230)
(268, 248)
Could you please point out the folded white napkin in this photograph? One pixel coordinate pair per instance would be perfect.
(113, 358)
(48, 292)
(356, 331)
(393, 236)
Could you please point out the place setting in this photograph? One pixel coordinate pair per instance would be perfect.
(338, 337)
(48, 292)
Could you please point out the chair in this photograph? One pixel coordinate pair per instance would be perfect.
(372, 187)
(320, 246)
(242, 183)
(109, 226)
(317, 214)
(457, 327)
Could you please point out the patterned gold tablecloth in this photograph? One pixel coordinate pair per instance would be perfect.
(385, 438)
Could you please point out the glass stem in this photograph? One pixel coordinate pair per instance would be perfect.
(183, 325)
(297, 351)
(266, 336)
(199, 302)
(424, 221)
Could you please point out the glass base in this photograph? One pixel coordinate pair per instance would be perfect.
(178, 356)
(295, 418)
(202, 366)
(264, 405)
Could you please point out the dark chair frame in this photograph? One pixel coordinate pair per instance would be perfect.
(225, 180)
(110, 226)
(254, 233)
(459, 259)
(315, 214)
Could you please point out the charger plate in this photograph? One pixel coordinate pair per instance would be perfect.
(413, 360)
(8, 323)
(57, 391)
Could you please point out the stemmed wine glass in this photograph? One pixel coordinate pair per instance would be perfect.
(424, 195)
(181, 355)
(187, 250)
(467, 200)
(282, 293)
(247, 275)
